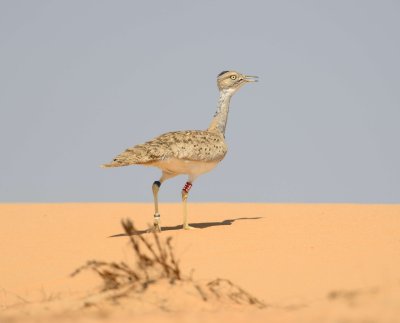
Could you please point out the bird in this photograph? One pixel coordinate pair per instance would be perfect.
(189, 152)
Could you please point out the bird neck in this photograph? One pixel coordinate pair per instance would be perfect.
(220, 119)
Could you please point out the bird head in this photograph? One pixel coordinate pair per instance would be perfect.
(231, 80)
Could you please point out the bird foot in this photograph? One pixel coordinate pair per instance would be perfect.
(188, 227)
(155, 228)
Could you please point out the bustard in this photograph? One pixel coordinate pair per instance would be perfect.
(191, 152)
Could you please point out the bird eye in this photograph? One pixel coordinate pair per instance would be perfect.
(233, 77)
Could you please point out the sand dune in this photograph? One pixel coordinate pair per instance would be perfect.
(307, 263)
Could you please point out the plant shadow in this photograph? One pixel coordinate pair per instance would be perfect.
(201, 225)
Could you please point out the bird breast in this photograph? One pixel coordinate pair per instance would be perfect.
(193, 168)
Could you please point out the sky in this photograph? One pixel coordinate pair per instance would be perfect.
(80, 81)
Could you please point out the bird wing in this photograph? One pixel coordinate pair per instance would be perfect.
(195, 145)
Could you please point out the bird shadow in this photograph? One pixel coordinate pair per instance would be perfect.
(201, 225)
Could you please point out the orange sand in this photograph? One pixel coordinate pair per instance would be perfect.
(308, 263)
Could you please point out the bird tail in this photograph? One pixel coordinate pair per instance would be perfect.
(138, 155)
(114, 164)
(108, 165)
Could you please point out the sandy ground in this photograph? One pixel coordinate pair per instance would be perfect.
(308, 263)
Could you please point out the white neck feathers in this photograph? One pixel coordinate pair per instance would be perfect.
(220, 119)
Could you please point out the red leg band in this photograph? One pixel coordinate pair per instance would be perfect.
(187, 187)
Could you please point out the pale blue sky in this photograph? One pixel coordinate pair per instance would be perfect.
(83, 80)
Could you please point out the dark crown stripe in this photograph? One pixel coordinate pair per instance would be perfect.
(222, 73)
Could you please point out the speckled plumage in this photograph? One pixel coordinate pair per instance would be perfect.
(191, 145)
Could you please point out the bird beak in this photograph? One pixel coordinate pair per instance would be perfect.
(251, 78)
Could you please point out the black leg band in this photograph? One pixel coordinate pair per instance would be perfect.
(157, 183)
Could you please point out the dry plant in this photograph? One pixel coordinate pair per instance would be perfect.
(155, 261)
(225, 289)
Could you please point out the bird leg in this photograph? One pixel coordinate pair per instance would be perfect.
(156, 188)
(185, 194)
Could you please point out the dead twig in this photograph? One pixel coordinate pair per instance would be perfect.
(152, 263)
